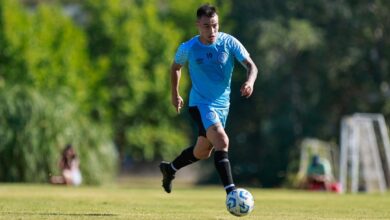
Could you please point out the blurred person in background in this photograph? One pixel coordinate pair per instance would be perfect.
(210, 57)
(69, 166)
(317, 175)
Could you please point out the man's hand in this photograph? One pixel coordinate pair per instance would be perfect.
(246, 89)
(178, 102)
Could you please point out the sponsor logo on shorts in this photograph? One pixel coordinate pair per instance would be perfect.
(211, 115)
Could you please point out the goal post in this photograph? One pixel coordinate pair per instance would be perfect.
(364, 153)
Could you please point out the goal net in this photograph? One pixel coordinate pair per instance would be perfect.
(364, 153)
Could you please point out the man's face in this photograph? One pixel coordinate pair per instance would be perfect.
(208, 29)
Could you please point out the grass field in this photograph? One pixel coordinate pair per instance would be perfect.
(141, 199)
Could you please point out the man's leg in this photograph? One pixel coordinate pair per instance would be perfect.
(218, 137)
(201, 150)
(169, 169)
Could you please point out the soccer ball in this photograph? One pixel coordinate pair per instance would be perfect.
(240, 202)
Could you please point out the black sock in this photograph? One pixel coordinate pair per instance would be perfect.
(222, 164)
(185, 158)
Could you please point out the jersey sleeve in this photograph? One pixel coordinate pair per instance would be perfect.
(181, 56)
(238, 49)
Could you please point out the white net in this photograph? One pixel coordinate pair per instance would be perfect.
(364, 153)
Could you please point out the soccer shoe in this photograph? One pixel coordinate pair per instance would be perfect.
(167, 176)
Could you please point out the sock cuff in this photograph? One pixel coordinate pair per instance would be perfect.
(221, 156)
(173, 167)
(230, 186)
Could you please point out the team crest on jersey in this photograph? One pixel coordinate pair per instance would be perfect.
(211, 115)
(222, 57)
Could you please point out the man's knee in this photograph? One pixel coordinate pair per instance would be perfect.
(218, 137)
(224, 142)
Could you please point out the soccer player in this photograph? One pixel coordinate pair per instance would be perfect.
(210, 57)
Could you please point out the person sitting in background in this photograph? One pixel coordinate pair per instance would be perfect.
(317, 177)
(69, 165)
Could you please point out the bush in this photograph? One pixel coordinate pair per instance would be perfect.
(34, 127)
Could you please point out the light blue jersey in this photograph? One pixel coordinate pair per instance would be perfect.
(211, 68)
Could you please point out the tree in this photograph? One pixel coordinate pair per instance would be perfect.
(34, 129)
(132, 48)
(318, 61)
(43, 83)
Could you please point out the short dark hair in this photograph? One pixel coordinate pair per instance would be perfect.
(206, 10)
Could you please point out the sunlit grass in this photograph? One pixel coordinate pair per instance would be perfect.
(144, 199)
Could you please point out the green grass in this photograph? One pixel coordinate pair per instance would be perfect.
(141, 199)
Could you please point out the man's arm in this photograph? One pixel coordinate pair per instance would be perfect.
(177, 100)
(247, 87)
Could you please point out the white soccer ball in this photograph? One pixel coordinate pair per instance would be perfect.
(240, 202)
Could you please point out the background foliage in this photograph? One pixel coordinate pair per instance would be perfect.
(319, 61)
(96, 73)
(35, 128)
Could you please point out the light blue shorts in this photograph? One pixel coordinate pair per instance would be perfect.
(211, 115)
